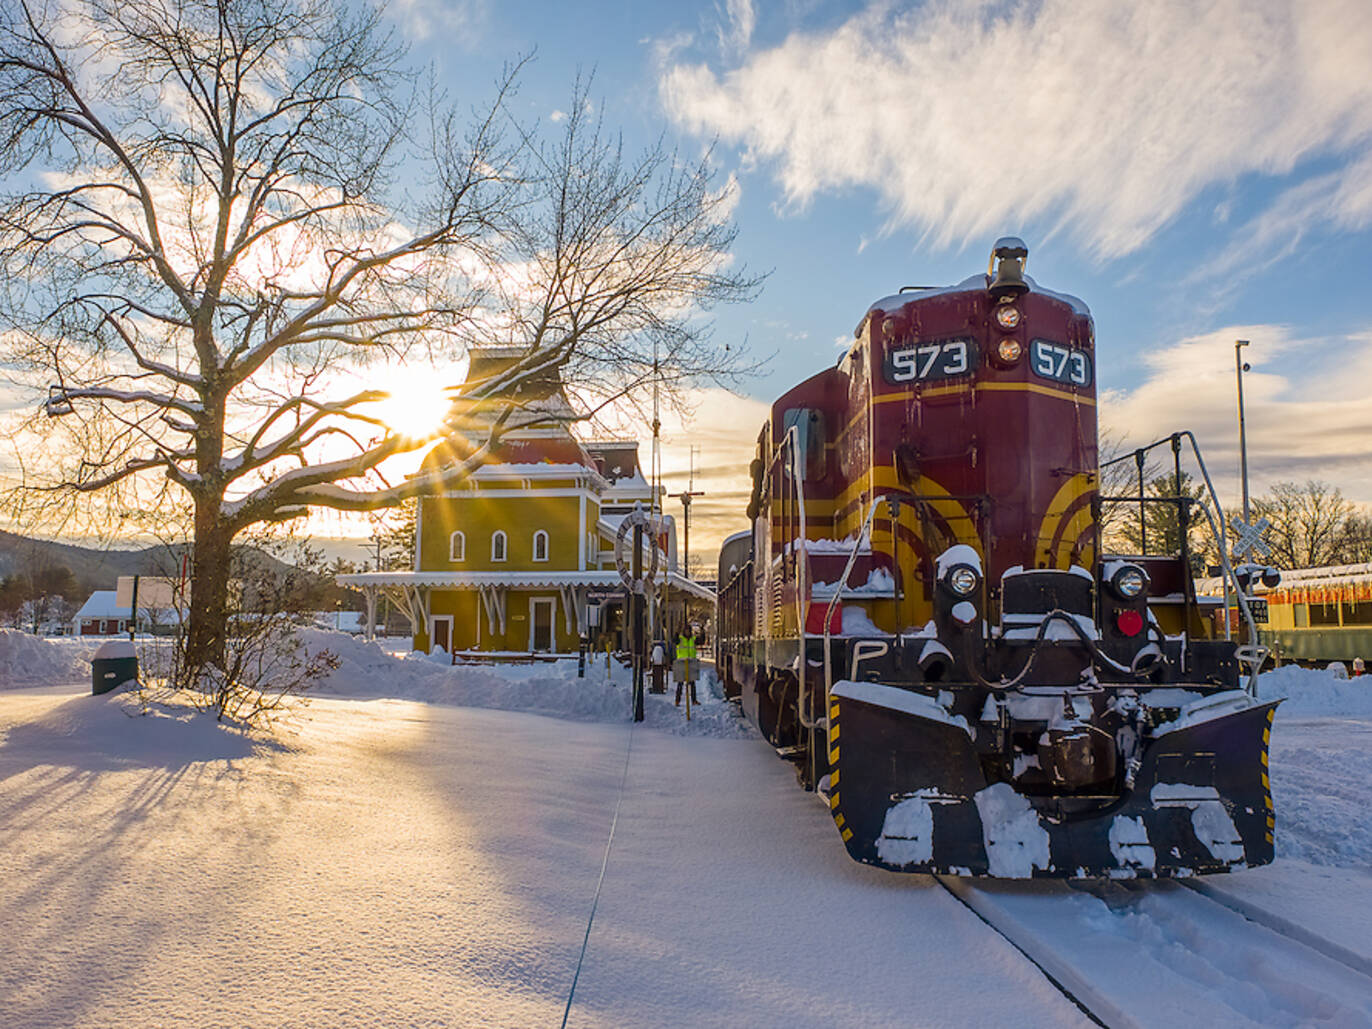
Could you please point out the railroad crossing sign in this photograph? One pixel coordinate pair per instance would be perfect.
(1250, 537)
(651, 526)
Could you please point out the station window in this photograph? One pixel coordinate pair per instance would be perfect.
(540, 545)
(498, 545)
(457, 547)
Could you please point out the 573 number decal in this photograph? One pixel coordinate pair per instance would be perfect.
(1061, 364)
(920, 362)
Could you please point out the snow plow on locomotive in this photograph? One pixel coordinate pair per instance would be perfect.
(922, 619)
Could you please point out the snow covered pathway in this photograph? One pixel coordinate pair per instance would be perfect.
(387, 862)
(729, 901)
(401, 864)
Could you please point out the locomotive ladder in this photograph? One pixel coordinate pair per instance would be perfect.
(1251, 655)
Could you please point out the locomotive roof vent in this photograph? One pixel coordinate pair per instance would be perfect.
(1008, 258)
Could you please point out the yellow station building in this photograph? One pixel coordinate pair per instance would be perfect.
(519, 557)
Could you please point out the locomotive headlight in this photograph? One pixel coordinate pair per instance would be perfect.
(962, 580)
(1007, 317)
(1008, 350)
(1129, 582)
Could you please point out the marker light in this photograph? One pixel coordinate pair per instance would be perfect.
(1129, 622)
(962, 580)
(1008, 350)
(1129, 582)
(1007, 317)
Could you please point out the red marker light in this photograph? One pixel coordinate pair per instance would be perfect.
(1129, 622)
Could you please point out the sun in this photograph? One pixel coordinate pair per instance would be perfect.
(419, 398)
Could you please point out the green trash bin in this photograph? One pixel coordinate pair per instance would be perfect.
(113, 664)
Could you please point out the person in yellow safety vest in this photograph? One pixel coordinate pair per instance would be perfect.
(685, 670)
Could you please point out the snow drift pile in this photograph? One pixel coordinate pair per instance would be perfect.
(1316, 693)
(545, 687)
(27, 660)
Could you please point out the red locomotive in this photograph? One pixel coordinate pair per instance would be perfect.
(922, 618)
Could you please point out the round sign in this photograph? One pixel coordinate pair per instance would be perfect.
(623, 549)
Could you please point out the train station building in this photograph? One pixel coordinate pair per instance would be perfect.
(519, 557)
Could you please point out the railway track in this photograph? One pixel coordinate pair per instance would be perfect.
(1157, 953)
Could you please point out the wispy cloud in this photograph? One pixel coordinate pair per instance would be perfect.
(1339, 200)
(1304, 399)
(965, 116)
(736, 28)
(724, 428)
(452, 19)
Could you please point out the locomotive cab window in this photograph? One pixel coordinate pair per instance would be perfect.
(810, 439)
(1060, 363)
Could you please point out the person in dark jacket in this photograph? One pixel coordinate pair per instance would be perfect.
(657, 661)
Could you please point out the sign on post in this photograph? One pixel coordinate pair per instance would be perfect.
(1249, 538)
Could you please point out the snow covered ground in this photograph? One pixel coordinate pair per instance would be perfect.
(422, 845)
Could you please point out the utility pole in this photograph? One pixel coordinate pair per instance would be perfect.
(1240, 366)
(656, 504)
(685, 498)
(636, 600)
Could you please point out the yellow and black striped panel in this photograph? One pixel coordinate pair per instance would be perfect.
(1271, 808)
(835, 807)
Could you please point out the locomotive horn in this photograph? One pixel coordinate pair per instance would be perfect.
(1008, 257)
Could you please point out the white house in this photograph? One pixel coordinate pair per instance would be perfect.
(106, 612)
(100, 615)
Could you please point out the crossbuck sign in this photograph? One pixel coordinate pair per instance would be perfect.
(1250, 537)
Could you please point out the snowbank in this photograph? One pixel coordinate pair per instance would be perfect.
(27, 660)
(128, 729)
(1321, 767)
(546, 688)
(1316, 693)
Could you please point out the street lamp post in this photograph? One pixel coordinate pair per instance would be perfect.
(1239, 368)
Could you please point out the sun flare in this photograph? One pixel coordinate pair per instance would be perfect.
(418, 400)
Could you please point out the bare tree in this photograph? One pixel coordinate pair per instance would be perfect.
(1312, 524)
(1160, 530)
(1119, 478)
(1356, 547)
(206, 218)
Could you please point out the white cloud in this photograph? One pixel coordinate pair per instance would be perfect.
(557, 116)
(736, 31)
(451, 18)
(967, 117)
(727, 197)
(1339, 200)
(1305, 406)
(724, 428)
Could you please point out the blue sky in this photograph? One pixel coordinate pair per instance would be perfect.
(1196, 172)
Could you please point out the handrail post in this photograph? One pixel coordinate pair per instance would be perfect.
(1143, 520)
(838, 594)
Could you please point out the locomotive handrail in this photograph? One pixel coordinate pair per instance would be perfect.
(1216, 520)
(802, 551)
(1069, 619)
(829, 613)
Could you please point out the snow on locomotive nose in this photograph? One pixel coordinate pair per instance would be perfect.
(924, 616)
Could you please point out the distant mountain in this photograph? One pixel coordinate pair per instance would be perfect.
(93, 568)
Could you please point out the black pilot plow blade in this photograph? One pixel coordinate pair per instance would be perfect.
(913, 788)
